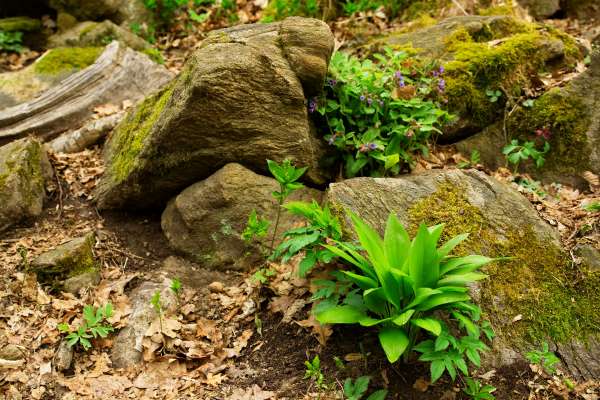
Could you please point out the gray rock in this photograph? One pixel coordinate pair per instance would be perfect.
(68, 260)
(590, 256)
(63, 357)
(535, 296)
(205, 221)
(97, 34)
(120, 11)
(78, 282)
(240, 98)
(541, 8)
(23, 168)
(127, 346)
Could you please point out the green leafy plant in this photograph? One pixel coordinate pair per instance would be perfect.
(594, 206)
(356, 390)
(94, 326)
(516, 152)
(493, 95)
(404, 285)
(475, 390)
(314, 373)
(11, 41)
(544, 358)
(321, 226)
(256, 227)
(379, 113)
(533, 187)
(528, 103)
(164, 10)
(473, 160)
(287, 176)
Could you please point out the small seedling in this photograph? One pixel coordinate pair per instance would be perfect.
(314, 373)
(477, 391)
(93, 326)
(493, 95)
(339, 363)
(156, 303)
(23, 253)
(263, 275)
(544, 358)
(528, 103)
(516, 152)
(256, 227)
(176, 287)
(357, 389)
(473, 161)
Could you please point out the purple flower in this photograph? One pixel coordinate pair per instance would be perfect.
(312, 105)
(400, 78)
(442, 70)
(362, 97)
(372, 146)
(369, 101)
(436, 73)
(398, 75)
(442, 85)
(332, 82)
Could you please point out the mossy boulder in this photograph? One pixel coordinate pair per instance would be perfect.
(240, 98)
(571, 115)
(48, 70)
(206, 220)
(555, 299)
(23, 168)
(97, 34)
(482, 53)
(69, 260)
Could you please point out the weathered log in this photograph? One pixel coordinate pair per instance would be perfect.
(87, 135)
(118, 74)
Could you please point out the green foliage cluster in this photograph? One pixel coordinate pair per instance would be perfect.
(379, 113)
(475, 390)
(356, 390)
(592, 207)
(516, 152)
(544, 358)
(404, 285)
(94, 325)
(314, 373)
(11, 41)
(164, 9)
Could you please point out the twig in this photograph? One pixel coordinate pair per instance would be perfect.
(457, 4)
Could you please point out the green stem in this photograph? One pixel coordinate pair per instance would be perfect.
(279, 204)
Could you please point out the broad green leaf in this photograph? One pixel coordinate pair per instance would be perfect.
(372, 321)
(447, 247)
(396, 243)
(461, 279)
(352, 260)
(361, 281)
(422, 294)
(375, 301)
(436, 369)
(378, 395)
(394, 342)
(341, 315)
(472, 260)
(403, 318)
(441, 299)
(429, 324)
(307, 263)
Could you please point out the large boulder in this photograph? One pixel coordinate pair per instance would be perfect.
(482, 53)
(23, 168)
(206, 220)
(240, 98)
(571, 116)
(537, 295)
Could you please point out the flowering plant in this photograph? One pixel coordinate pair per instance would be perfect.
(378, 113)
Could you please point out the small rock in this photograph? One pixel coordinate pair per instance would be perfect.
(216, 287)
(63, 357)
(67, 260)
(589, 255)
(86, 280)
(12, 352)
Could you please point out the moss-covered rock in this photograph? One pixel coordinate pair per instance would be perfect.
(71, 259)
(66, 60)
(23, 168)
(240, 98)
(206, 220)
(570, 114)
(122, 12)
(20, 24)
(482, 53)
(555, 298)
(95, 34)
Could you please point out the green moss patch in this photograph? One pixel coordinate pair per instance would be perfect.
(20, 24)
(66, 59)
(556, 299)
(129, 137)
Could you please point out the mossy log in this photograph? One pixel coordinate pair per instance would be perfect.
(118, 74)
